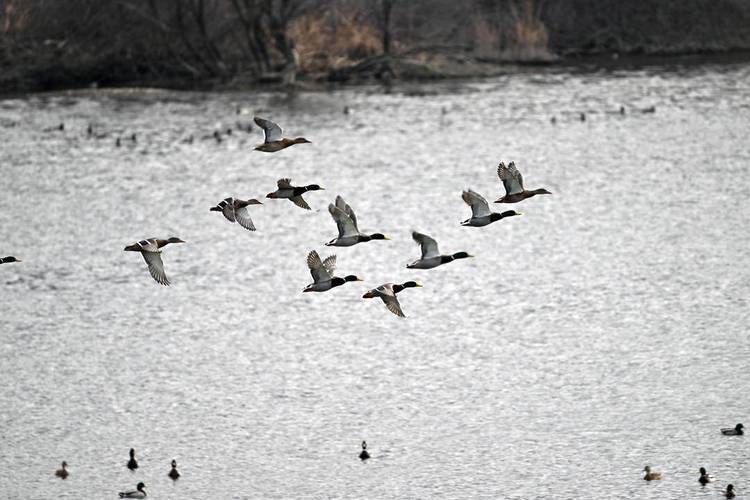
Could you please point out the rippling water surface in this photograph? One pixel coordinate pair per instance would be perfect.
(605, 329)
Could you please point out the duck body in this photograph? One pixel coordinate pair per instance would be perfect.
(273, 139)
(285, 190)
(62, 472)
(364, 455)
(737, 430)
(651, 476)
(346, 222)
(705, 477)
(235, 210)
(139, 492)
(173, 474)
(513, 184)
(150, 250)
(387, 293)
(322, 273)
(132, 464)
(729, 493)
(9, 259)
(431, 256)
(481, 215)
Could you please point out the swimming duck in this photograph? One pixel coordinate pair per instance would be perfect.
(62, 472)
(322, 273)
(236, 211)
(364, 455)
(705, 477)
(651, 476)
(481, 215)
(387, 293)
(149, 248)
(9, 259)
(734, 431)
(513, 183)
(138, 493)
(430, 254)
(346, 222)
(132, 464)
(293, 193)
(173, 474)
(273, 140)
(730, 491)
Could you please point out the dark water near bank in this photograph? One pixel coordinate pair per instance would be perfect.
(604, 330)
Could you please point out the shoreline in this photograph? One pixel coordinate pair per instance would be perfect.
(439, 67)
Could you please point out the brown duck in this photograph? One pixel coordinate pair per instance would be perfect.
(513, 183)
(150, 249)
(273, 139)
(9, 259)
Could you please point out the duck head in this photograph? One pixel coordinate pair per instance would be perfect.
(140, 486)
(379, 236)
(301, 140)
(461, 255)
(253, 201)
(314, 187)
(541, 191)
(412, 284)
(64, 464)
(174, 464)
(352, 277)
(739, 427)
(702, 470)
(174, 239)
(10, 259)
(364, 445)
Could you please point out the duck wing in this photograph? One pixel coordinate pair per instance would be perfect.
(479, 206)
(271, 131)
(428, 245)
(284, 184)
(300, 202)
(321, 270)
(341, 204)
(227, 208)
(344, 223)
(156, 267)
(511, 177)
(242, 215)
(391, 302)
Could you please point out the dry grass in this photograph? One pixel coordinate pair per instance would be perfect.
(516, 35)
(334, 40)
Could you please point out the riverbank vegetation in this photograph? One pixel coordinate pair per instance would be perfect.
(47, 44)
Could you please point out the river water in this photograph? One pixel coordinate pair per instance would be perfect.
(604, 330)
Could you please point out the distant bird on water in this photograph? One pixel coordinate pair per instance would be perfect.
(9, 259)
(139, 492)
(431, 256)
(173, 474)
(62, 472)
(729, 493)
(322, 273)
(236, 211)
(364, 455)
(705, 477)
(513, 184)
(737, 430)
(293, 193)
(481, 215)
(132, 464)
(150, 249)
(651, 476)
(346, 222)
(387, 293)
(273, 139)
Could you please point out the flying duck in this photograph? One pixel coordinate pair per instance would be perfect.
(322, 273)
(481, 215)
(273, 140)
(651, 476)
(387, 293)
(430, 254)
(364, 455)
(236, 211)
(730, 491)
(734, 431)
(513, 183)
(173, 474)
(346, 222)
(138, 493)
(132, 464)
(705, 477)
(62, 472)
(293, 193)
(149, 248)
(9, 259)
